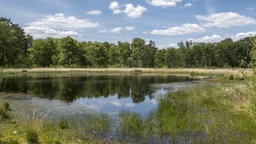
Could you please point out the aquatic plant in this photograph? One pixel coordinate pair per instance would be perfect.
(97, 123)
(32, 137)
(4, 114)
(63, 123)
(131, 123)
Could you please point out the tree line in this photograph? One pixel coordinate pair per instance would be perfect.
(20, 50)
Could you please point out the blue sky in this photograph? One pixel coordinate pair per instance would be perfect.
(166, 22)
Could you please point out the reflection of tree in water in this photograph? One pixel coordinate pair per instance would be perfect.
(140, 88)
(69, 88)
(10, 85)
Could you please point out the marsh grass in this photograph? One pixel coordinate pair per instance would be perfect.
(131, 124)
(190, 71)
(97, 124)
(32, 137)
(63, 123)
(4, 111)
(37, 127)
(211, 114)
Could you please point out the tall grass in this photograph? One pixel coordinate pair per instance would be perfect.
(131, 124)
(97, 124)
(220, 114)
(38, 127)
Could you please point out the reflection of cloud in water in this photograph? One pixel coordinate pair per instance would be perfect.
(114, 105)
(111, 104)
(117, 103)
(59, 108)
(129, 105)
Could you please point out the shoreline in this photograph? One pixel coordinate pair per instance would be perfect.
(236, 72)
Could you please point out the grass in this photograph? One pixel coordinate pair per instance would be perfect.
(202, 115)
(40, 128)
(97, 124)
(237, 72)
(131, 124)
(210, 114)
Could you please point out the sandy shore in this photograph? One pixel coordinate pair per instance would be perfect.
(191, 71)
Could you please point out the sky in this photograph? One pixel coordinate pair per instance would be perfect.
(167, 22)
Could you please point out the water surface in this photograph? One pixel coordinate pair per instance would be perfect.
(76, 93)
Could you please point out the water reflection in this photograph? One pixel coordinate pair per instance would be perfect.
(72, 87)
(101, 93)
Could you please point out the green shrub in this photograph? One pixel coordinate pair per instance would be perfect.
(98, 123)
(4, 114)
(131, 123)
(12, 142)
(63, 124)
(230, 77)
(6, 106)
(32, 137)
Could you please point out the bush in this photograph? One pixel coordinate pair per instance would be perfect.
(6, 106)
(63, 124)
(4, 114)
(13, 142)
(32, 137)
(230, 77)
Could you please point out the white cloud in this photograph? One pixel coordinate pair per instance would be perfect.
(116, 30)
(243, 35)
(130, 28)
(94, 12)
(134, 12)
(249, 8)
(117, 11)
(103, 30)
(163, 3)
(114, 5)
(174, 45)
(58, 26)
(208, 39)
(179, 30)
(130, 10)
(225, 20)
(188, 5)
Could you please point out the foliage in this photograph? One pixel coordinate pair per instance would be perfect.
(32, 137)
(20, 50)
(63, 124)
(97, 123)
(4, 114)
(13, 43)
(201, 115)
(131, 124)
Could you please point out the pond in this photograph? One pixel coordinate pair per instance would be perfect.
(76, 93)
(137, 108)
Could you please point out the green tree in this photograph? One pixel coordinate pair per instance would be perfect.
(113, 56)
(242, 49)
(226, 53)
(13, 43)
(42, 52)
(68, 52)
(172, 58)
(124, 53)
(142, 54)
(160, 58)
(253, 51)
(137, 47)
